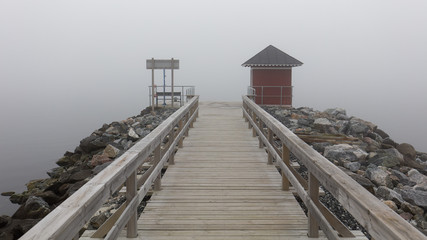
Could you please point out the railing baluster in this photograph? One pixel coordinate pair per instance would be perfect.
(180, 126)
(285, 158)
(158, 181)
(172, 139)
(270, 140)
(132, 231)
(313, 191)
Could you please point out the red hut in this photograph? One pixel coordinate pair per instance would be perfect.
(271, 76)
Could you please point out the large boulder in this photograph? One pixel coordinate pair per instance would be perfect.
(34, 208)
(415, 197)
(111, 151)
(339, 113)
(387, 158)
(378, 176)
(389, 194)
(419, 179)
(364, 182)
(407, 150)
(344, 152)
(95, 142)
(359, 127)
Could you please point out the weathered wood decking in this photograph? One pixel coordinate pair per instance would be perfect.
(221, 187)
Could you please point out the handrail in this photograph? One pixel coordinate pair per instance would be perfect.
(379, 220)
(68, 218)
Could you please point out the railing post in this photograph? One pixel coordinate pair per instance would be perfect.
(253, 129)
(313, 191)
(158, 181)
(270, 140)
(131, 188)
(181, 125)
(285, 158)
(172, 137)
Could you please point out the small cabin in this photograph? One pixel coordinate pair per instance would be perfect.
(271, 77)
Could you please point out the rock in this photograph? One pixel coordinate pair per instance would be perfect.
(65, 161)
(111, 151)
(101, 167)
(98, 220)
(407, 150)
(282, 112)
(56, 172)
(391, 205)
(381, 133)
(7, 194)
(18, 198)
(322, 124)
(416, 211)
(378, 176)
(76, 186)
(99, 159)
(387, 158)
(389, 194)
(402, 178)
(4, 221)
(359, 127)
(388, 143)
(80, 175)
(419, 179)
(339, 113)
(132, 134)
(407, 216)
(352, 166)
(34, 208)
(50, 197)
(320, 147)
(364, 182)
(415, 197)
(344, 152)
(94, 142)
(112, 130)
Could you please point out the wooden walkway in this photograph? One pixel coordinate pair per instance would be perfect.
(221, 187)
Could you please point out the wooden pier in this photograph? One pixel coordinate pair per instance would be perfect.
(228, 180)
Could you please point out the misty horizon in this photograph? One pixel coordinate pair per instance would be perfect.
(68, 67)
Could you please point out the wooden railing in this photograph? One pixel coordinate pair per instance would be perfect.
(378, 219)
(68, 219)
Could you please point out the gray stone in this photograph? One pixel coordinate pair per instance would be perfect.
(378, 176)
(415, 197)
(101, 167)
(386, 159)
(282, 112)
(344, 152)
(132, 134)
(402, 178)
(364, 182)
(352, 166)
(99, 159)
(56, 172)
(322, 124)
(389, 194)
(336, 111)
(419, 179)
(80, 175)
(95, 142)
(381, 133)
(342, 126)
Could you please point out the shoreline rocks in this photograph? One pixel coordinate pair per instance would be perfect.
(92, 155)
(395, 173)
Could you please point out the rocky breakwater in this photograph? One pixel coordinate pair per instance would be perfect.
(93, 154)
(395, 173)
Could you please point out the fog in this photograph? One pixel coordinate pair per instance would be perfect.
(66, 67)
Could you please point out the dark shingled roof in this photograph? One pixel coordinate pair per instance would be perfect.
(272, 57)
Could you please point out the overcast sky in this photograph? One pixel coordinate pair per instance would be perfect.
(81, 63)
